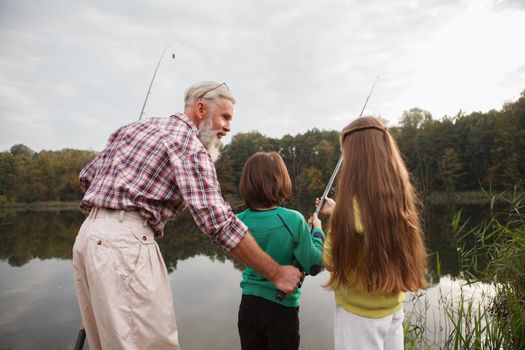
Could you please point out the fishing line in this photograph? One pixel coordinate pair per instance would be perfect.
(315, 269)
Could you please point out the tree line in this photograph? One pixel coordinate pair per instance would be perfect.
(458, 153)
(27, 176)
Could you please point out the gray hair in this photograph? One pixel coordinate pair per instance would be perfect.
(208, 90)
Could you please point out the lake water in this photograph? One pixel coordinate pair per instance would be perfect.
(38, 308)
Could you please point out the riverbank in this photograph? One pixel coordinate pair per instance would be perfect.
(466, 198)
(51, 205)
(434, 198)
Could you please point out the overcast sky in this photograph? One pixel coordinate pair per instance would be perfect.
(72, 71)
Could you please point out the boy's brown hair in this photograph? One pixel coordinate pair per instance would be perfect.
(265, 181)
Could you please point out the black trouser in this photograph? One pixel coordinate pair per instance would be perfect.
(266, 325)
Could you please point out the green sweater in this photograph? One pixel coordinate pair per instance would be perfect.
(283, 234)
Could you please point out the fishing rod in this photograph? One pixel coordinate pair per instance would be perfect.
(340, 161)
(153, 78)
(81, 337)
(314, 270)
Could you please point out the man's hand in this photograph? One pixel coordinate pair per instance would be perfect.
(286, 278)
(249, 253)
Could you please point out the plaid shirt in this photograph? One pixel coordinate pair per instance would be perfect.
(159, 166)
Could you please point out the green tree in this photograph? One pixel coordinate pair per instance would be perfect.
(450, 169)
(225, 175)
(415, 118)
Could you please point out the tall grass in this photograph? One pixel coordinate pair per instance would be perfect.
(498, 258)
(488, 311)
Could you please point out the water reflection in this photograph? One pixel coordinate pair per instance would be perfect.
(50, 234)
(432, 309)
(38, 309)
(27, 235)
(44, 235)
(37, 299)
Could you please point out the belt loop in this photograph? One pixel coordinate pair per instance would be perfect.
(95, 212)
(121, 215)
(145, 223)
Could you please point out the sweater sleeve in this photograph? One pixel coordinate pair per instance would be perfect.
(309, 248)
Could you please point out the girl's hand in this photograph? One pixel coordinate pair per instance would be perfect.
(328, 205)
(314, 221)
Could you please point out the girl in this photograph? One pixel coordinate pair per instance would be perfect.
(265, 323)
(374, 249)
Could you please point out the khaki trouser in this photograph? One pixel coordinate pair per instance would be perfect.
(122, 283)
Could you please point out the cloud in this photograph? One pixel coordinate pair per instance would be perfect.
(509, 5)
(78, 70)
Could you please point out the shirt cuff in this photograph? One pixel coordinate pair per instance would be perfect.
(232, 233)
(318, 233)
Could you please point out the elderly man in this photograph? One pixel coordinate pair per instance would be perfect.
(148, 173)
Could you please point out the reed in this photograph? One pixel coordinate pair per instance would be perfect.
(488, 311)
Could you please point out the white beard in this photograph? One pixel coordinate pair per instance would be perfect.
(209, 138)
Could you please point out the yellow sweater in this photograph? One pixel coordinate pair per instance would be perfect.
(356, 300)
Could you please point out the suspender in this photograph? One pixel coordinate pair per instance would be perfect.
(295, 243)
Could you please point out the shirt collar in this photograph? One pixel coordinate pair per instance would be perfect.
(187, 120)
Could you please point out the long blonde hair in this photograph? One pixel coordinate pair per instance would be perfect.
(390, 255)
